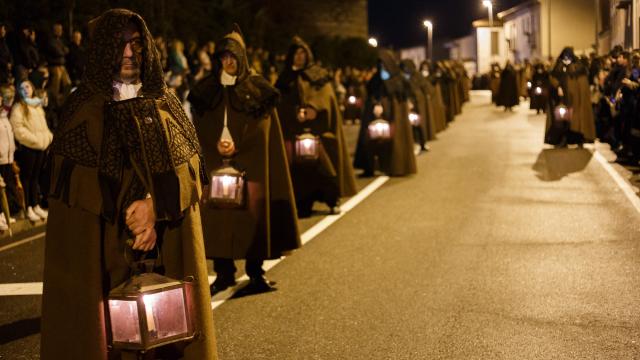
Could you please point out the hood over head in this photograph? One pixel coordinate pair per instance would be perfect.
(234, 44)
(105, 50)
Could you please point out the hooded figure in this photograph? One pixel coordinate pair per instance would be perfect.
(306, 86)
(236, 106)
(508, 93)
(388, 96)
(570, 87)
(422, 103)
(125, 165)
(494, 81)
(432, 88)
(539, 92)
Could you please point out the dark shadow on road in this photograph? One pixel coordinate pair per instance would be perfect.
(554, 164)
(19, 329)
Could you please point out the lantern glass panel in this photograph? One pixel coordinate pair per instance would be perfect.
(414, 119)
(125, 324)
(379, 130)
(563, 113)
(166, 314)
(307, 147)
(226, 187)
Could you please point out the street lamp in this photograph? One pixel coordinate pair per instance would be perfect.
(373, 42)
(429, 25)
(489, 5)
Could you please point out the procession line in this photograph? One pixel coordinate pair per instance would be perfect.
(307, 236)
(622, 183)
(24, 241)
(35, 288)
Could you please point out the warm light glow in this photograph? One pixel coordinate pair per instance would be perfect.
(373, 42)
(562, 111)
(538, 90)
(352, 99)
(414, 119)
(528, 84)
(487, 3)
(308, 143)
(428, 24)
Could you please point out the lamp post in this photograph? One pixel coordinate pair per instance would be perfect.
(489, 5)
(429, 25)
(373, 42)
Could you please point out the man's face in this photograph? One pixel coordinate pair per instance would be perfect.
(57, 30)
(131, 55)
(3, 31)
(77, 37)
(229, 63)
(300, 58)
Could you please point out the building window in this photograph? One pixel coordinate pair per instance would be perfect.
(495, 45)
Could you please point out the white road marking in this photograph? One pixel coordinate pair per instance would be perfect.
(14, 289)
(24, 241)
(619, 180)
(307, 236)
(34, 288)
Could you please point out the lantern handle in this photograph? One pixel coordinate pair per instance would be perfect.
(134, 265)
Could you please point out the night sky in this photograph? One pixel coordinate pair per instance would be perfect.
(398, 23)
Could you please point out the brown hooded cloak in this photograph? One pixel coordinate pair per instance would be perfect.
(332, 176)
(266, 226)
(105, 155)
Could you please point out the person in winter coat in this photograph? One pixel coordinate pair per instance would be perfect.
(59, 84)
(6, 58)
(32, 133)
(309, 108)
(126, 169)
(386, 104)
(27, 56)
(76, 58)
(509, 91)
(238, 126)
(7, 151)
(569, 88)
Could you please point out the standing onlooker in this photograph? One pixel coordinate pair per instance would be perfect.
(56, 51)
(6, 59)
(27, 56)
(33, 135)
(7, 149)
(178, 63)
(76, 58)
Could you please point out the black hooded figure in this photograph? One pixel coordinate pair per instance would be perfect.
(539, 92)
(570, 87)
(508, 93)
(386, 94)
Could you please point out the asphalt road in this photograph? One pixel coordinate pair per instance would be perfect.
(496, 249)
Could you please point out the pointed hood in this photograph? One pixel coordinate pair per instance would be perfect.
(312, 72)
(234, 43)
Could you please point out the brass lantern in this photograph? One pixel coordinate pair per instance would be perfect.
(226, 188)
(150, 310)
(414, 118)
(563, 113)
(307, 147)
